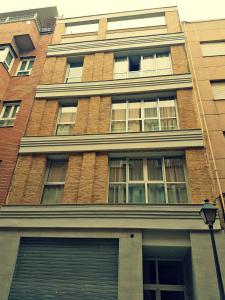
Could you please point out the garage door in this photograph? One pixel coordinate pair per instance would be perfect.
(70, 269)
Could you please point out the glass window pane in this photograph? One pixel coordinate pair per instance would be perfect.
(23, 65)
(119, 112)
(168, 124)
(172, 295)
(136, 193)
(7, 111)
(30, 65)
(134, 126)
(155, 169)
(4, 123)
(57, 171)
(171, 272)
(134, 110)
(117, 193)
(148, 63)
(177, 193)
(156, 194)
(150, 109)
(149, 272)
(9, 58)
(75, 71)
(14, 111)
(52, 194)
(117, 170)
(136, 169)
(118, 126)
(67, 114)
(151, 125)
(174, 170)
(167, 108)
(64, 129)
(149, 295)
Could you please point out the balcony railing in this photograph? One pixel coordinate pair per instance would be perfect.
(22, 18)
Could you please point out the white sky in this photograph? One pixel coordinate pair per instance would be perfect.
(188, 9)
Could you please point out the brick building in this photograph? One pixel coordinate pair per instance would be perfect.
(112, 169)
(24, 39)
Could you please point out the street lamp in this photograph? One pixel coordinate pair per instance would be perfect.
(208, 214)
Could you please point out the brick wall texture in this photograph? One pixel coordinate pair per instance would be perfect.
(18, 88)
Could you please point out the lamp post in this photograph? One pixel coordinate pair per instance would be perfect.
(208, 214)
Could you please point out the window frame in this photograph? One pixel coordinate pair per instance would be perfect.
(146, 182)
(8, 50)
(78, 78)
(65, 123)
(141, 72)
(157, 287)
(15, 104)
(142, 118)
(53, 183)
(26, 70)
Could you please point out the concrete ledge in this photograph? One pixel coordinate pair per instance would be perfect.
(176, 139)
(169, 217)
(114, 87)
(112, 45)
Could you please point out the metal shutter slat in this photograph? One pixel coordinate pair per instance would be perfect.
(66, 269)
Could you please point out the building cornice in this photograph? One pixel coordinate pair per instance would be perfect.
(105, 216)
(112, 45)
(114, 87)
(176, 139)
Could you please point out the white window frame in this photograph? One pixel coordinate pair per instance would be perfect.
(72, 123)
(141, 72)
(26, 70)
(164, 287)
(9, 118)
(4, 51)
(142, 118)
(146, 181)
(52, 183)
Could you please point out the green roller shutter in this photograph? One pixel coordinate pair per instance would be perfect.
(66, 269)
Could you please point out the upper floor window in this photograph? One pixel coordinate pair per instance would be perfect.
(135, 22)
(142, 65)
(66, 120)
(213, 48)
(54, 182)
(74, 70)
(218, 89)
(143, 115)
(164, 279)
(7, 56)
(82, 27)
(147, 180)
(8, 113)
(25, 66)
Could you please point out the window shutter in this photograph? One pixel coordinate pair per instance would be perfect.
(218, 89)
(211, 49)
(69, 269)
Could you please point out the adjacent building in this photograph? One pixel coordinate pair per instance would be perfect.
(24, 38)
(113, 169)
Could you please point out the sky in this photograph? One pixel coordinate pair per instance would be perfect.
(189, 10)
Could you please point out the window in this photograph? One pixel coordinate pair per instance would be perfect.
(218, 89)
(7, 57)
(54, 182)
(142, 65)
(135, 22)
(143, 115)
(213, 48)
(164, 280)
(25, 66)
(82, 28)
(147, 180)
(8, 114)
(74, 71)
(66, 120)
